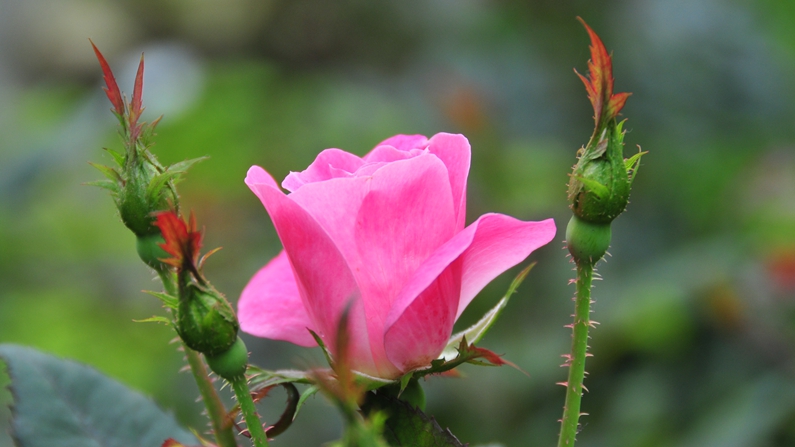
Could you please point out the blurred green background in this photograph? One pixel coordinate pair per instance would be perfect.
(697, 341)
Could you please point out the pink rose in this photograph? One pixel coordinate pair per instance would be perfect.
(385, 232)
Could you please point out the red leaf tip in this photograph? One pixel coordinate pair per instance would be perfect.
(599, 83)
(112, 89)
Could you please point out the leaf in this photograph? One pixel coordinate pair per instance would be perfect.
(60, 403)
(407, 426)
(309, 392)
(262, 378)
(323, 347)
(476, 332)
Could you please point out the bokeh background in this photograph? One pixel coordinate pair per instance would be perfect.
(697, 305)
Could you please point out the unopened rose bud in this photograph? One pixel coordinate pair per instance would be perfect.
(205, 320)
(600, 182)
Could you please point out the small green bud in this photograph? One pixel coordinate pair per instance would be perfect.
(232, 363)
(205, 320)
(138, 201)
(587, 241)
(599, 186)
(149, 250)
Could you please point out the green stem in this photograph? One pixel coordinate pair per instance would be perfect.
(579, 350)
(249, 412)
(221, 423)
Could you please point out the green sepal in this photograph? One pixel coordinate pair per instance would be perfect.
(156, 319)
(182, 166)
(479, 329)
(154, 190)
(205, 320)
(108, 172)
(117, 157)
(169, 301)
(105, 184)
(633, 164)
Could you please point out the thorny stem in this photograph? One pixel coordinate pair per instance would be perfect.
(249, 412)
(221, 423)
(579, 351)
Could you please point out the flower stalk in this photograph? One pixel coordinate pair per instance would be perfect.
(579, 351)
(240, 386)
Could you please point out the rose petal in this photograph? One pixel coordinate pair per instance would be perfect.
(405, 217)
(271, 307)
(324, 280)
(455, 153)
(500, 243)
(331, 163)
(405, 142)
(422, 317)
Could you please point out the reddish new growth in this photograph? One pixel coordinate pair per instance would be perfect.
(599, 82)
(136, 106)
(182, 241)
(133, 112)
(112, 89)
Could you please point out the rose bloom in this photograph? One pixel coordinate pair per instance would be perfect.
(385, 234)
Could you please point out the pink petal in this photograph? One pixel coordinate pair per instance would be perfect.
(331, 163)
(500, 243)
(271, 307)
(324, 280)
(406, 216)
(421, 319)
(405, 142)
(455, 153)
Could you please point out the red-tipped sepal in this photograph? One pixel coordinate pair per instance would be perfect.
(599, 82)
(182, 240)
(112, 89)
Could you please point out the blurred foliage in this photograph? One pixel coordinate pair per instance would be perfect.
(697, 342)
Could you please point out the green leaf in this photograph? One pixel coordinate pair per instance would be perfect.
(407, 426)
(476, 332)
(322, 345)
(309, 392)
(168, 300)
(60, 403)
(262, 378)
